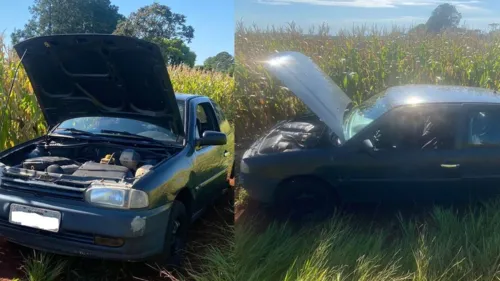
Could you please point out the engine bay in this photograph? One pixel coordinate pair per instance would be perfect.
(90, 161)
(300, 133)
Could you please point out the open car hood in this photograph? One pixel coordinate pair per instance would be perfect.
(100, 75)
(318, 92)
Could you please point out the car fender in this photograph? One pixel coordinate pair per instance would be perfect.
(165, 181)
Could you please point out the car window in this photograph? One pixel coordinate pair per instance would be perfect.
(416, 131)
(484, 128)
(97, 124)
(218, 113)
(362, 116)
(205, 119)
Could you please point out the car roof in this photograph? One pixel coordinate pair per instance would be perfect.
(422, 94)
(185, 97)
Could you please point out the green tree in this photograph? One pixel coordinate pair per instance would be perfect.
(68, 16)
(156, 21)
(222, 62)
(158, 24)
(443, 17)
(175, 52)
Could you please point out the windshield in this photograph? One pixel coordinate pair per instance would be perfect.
(362, 116)
(96, 125)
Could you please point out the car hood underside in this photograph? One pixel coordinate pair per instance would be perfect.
(318, 92)
(100, 75)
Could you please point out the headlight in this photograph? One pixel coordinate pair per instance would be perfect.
(249, 153)
(116, 197)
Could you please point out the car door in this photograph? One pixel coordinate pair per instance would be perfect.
(226, 128)
(480, 162)
(208, 163)
(413, 157)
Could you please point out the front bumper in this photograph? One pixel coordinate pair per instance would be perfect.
(143, 231)
(259, 187)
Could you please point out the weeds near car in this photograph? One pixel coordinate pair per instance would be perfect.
(218, 263)
(442, 243)
(43, 267)
(20, 115)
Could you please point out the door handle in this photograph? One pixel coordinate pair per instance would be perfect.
(450, 166)
(227, 153)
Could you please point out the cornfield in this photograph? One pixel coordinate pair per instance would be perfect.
(21, 118)
(362, 61)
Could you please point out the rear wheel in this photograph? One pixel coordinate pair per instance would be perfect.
(175, 236)
(305, 199)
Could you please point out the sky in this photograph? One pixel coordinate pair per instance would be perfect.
(338, 14)
(213, 21)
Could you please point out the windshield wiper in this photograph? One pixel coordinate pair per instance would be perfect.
(76, 131)
(127, 134)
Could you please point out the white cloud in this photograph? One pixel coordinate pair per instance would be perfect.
(471, 8)
(464, 4)
(406, 19)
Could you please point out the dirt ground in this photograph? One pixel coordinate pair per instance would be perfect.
(10, 261)
(205, 232)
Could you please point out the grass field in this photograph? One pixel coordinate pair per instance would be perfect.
(439, 243)
(21, 120)
(435, 243)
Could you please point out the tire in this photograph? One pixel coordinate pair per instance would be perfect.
(175, 236)
(305, 199)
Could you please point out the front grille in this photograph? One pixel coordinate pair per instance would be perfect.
(59, 188)
(63, 235)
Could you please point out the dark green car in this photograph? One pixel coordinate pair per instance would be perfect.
(127, 164)
(406, 144)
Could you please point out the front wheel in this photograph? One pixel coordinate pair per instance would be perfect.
(175, 236)
(305, 199)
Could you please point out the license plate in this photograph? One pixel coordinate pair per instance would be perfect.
(35, 217)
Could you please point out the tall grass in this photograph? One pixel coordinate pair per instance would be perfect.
(442, 244)
(362, 61)
(41, 266)
(21, 116)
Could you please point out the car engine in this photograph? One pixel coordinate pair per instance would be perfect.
(90, 162)
(301, 133)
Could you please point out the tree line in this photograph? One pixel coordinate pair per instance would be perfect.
(155, 23)
(446, 17)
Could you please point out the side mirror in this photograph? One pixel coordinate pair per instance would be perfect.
(212, 138)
